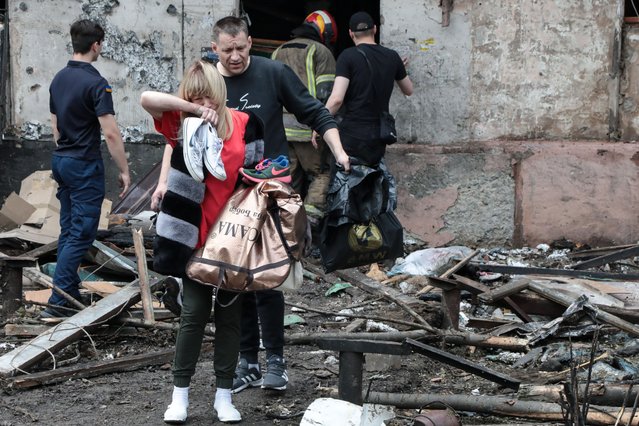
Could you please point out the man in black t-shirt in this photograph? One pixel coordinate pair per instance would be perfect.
(362, 91)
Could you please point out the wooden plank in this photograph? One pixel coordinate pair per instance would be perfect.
(31, 330)
(463, 364)
(600, 314)
(522, 270)
(92, 369)
(143, 276)
(43, 250)
(113, 260)
(71, 329)
(508, 289)
(607, 258)
(25, 330)
(476, 287)
(37, 296)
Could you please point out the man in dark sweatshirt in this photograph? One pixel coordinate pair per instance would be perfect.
(265, 87)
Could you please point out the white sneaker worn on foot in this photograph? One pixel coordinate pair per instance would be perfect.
(226, 411)
(175, 414)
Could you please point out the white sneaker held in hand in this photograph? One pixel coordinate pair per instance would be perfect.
(213, 152)
(193, 146)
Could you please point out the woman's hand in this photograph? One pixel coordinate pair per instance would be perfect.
(207, 114)
(158, 195)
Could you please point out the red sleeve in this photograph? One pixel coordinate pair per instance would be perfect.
(169, 126)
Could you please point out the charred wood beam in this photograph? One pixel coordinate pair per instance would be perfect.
(460, 339)
(463, 364)
(598, 393)
(503, 406)
(607, 258)
(522, 270)
(11, 281)
(351, 362)
(599, 251)
(92, 369)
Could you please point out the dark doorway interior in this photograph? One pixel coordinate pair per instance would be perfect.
(275, 19)
(631, 8)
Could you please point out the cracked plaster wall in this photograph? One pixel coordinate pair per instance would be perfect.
(516, 69)
(147, 47)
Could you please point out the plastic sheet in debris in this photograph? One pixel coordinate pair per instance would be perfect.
(430, 261)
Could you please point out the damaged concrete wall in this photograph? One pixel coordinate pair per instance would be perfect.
(439, 66)
(503, 69)
(502, 75)
(147, 46)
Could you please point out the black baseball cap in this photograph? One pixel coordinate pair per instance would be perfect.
(361, 21)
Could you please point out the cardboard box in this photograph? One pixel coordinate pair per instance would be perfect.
(39, 189)
(14, 212)
(39, 211)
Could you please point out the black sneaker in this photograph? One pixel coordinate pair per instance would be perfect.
(276, 377)
(245, 377)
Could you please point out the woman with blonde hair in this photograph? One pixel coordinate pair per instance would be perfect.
(188, 208)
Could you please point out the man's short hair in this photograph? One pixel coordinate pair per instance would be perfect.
(361, 21)
(84, 33)
(230, 25)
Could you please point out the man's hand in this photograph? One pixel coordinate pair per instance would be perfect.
(158, 195)
(345, 162)
(125, 182)
(314, 139)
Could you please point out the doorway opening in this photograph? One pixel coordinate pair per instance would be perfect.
(271, 23)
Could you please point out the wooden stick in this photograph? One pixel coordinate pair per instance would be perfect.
(143, 274)
(459, 265)
(370, 317)
(375, 288)
(41, 278)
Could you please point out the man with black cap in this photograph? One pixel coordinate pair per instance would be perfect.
(309, 54)
(363, 87)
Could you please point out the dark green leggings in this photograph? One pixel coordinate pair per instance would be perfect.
(196, 310)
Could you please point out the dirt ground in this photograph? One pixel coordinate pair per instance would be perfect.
(140, 397)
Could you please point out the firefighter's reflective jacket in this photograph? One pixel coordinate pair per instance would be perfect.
(314, 64)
